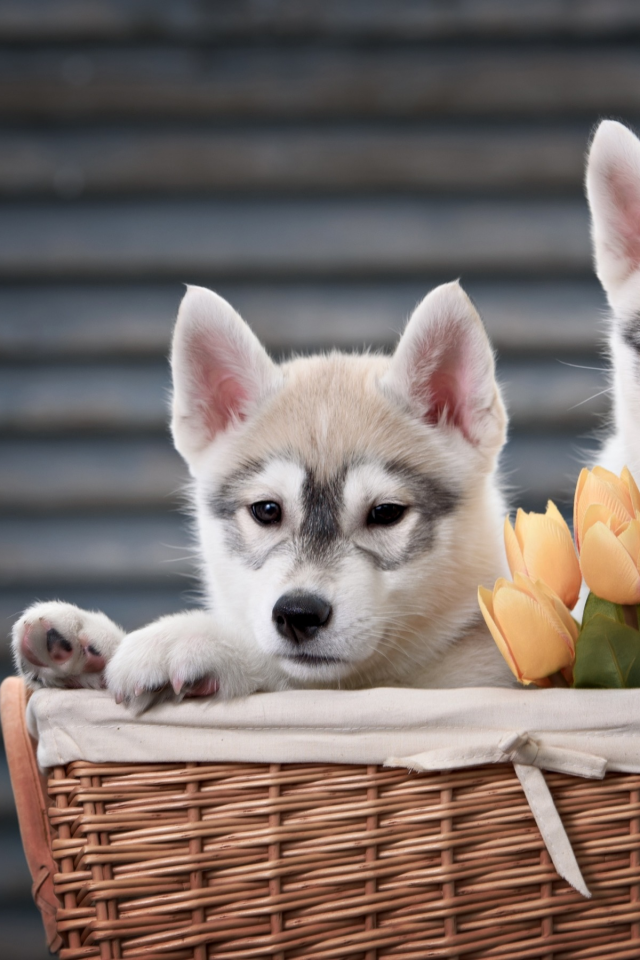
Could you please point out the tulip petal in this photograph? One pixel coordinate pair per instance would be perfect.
(618, 487)
(485, 602)
(582, 479)
(571, 627)
(552, 606)
(549, 555)
(554, 514)
(613, 490)
(533, 635)
(598, 513)
(512, 547)
(629, 537)
(522, 519)
(607, 567)
(608, 477)
(632, 486)
(525, 584)
(614, 496)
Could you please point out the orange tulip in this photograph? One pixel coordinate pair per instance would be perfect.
(540, 547)
(531, 626)
(619, 496)
(607, 530)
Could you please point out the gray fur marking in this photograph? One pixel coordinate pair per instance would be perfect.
(320, 533)
(227, 500)
(322, 503)
(432, 500)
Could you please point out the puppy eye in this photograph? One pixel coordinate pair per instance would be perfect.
(384, 514)
(266, 511)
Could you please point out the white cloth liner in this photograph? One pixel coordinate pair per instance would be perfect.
(579, 732)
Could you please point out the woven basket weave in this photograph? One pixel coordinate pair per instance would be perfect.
(322, 861)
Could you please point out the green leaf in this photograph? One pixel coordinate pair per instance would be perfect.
(607, 655)
(595, 605)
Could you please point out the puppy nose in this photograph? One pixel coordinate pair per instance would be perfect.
(299, 616)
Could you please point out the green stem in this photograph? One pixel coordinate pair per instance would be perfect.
(557, 680)
(630, 614)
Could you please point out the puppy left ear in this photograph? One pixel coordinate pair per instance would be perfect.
(220, 371)
(443, 366)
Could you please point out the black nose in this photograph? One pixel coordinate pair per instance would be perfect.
(299, 616)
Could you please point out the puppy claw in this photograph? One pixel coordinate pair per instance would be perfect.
(204, 687)
(144, 698)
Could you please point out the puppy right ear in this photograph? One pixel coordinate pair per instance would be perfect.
(613, 191)
(220, 371)
(444, 368)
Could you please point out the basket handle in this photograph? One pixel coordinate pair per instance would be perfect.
(30, 797)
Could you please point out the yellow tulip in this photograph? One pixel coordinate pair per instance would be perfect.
(607, 530)
(619, 496)
(610, 556)
(531, 626)
(540, 547)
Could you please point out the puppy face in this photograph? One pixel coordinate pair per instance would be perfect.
(331, 498)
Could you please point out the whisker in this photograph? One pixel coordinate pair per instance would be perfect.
(592, 397)
(580, 366)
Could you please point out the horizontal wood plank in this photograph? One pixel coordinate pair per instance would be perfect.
(45, 475)
(26, 20)
(109, 550)
(554, 396)
(95, 398)
(308, 81)
(284, 238)
(124, 321)
(536, 467)
(56, 321)
(122, 161)
(86, 398)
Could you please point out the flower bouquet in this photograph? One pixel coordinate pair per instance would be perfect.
(530, 617)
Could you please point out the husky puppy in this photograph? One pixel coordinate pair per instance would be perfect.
(613, 191)
(346, 508)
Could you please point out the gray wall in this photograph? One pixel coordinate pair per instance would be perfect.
(322, 164)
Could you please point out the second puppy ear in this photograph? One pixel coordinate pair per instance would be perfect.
(443, 366)
(220, 371)
(613, 191)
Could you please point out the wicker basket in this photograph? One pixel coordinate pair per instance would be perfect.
(322, 861)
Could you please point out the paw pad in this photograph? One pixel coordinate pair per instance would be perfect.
(58, 647)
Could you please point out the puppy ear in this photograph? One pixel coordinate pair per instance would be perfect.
(443, 366)
(613, 191)
(220, 370)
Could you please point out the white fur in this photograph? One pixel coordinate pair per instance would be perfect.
(402, 612)
(613, 190)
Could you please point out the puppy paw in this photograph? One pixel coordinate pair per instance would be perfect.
(172, 658)
(59, 645)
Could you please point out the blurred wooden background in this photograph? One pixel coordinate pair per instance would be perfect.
(322, 163)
